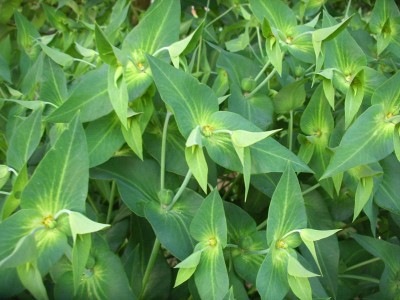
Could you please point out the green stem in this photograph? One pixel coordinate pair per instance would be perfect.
(290, 130)
(361, 264)
(181, 189)
(264, 82)
(363, 278)
(310, 189)
(150, 265)
(259, 42)
(5, 193)
(84, 61)
(262, 71)
(258, 252)
(110, 202)
(93, 205)
(220, 16)
(160, 50)
(199, 55)
(262, 225)
(163, 149)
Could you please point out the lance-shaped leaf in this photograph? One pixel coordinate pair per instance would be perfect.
(301, 287)
(290, 97)
(185, 46)
(32, 280)
(287, 211)
(192, 102)
(80, 255)
(25, 140)
(133, 136)
(309, 236)
(209, 223)
(53, 87)
(4, 175)
(61, 179)
(13, 200)
(106, 49)
(57, 56)
(354, 97)
(81, 224)
(187, 267)
(118, 93)
(197, 163)
(25, 251)
(368, 140)
(272, 280)
(26, 33)
(363, 194)
(89, 96)
(296, 269)
(388, 95)
(243, 138)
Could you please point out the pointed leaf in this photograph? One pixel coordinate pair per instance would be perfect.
(287, 210)
(25, 251)
(290, 97)
(191, 261)
(118, 93)
(61, 179)
(133, 136)
(57, 56)
(243, 138)
(363, 194)
(198, 165)
(80, 224)
(296, 269)
(300, 287)
(209, 223)
(105, 48)
(54, 84)
(32, 280)
(184, 274)
(316, 235)
(80, 255)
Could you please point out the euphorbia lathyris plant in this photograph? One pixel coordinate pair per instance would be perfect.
(177, 149)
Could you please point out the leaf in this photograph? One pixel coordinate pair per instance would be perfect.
(136, 188)
(286, 211)
(272, 280)
(172, 226)
(243, 138)
(363, 194)
(25, 251)
(57, 56)
(104, 138)
(105, 48)
(191, 261)
(354, 97)
(211, 276)
(198, 165)
(25, 140)
(300, 287)
(13, 200)
(290, 97)
(368, 140)
(240, 43)
(184, 274)
(80, 224)
(4, 175)
(80, 255)
(191, 102)
(158, 27)
(118, 93)
(32, 280)
(61, 179)
(53, 87)
(26, 33)
(297, 270)
(133, 136)
(89, 96)
(118, 15)
(209, 223)
(387, 95)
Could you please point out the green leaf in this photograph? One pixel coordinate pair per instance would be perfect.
(133, 136)
(25, 140)
(387, 193)
(192, 102)
(354, 97)
(57, 56)
(158, 27)
(243, 138)
(80, 224)
(191, 261)
(118, 93)
(297, 270)
(363, 193)
(4, 175)
(209, 223)
(89, 96)
(290, 97)
(198, 165)
(211, 276)
(26, 33)
(272, 280)
(61, 179)
(25, 251)
(80, 255)
(105, 48)
(172, 226)
(388, 95)
(32, 280)
(368, 140)
(184, 274)
(286, 211)
(118, 15)
(300, 287)
(13, 200)
(136, 188)
(104, 138)
(54, 84)
(240, 43)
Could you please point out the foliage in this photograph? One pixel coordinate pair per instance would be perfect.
(190, 150)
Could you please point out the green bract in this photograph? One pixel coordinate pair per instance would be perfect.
(199, 149)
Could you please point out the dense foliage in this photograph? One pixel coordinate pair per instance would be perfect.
(225, 149)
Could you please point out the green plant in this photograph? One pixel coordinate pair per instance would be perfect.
(229, 150)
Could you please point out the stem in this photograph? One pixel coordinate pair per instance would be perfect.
(259, 41)
(262, 225)
(258, 252)
(93, 205)
(160, 50)
(262, 70)
(180, 191)
(150, 265)
(13, 171)
(264, 82)
(110, 202)
(5, 193)
(361, 264)
(232, 246)
(199, 55)
(220, 16)
(315, 186)
(290, 130)
(163, 149)
(86, 62)
(364, 278)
